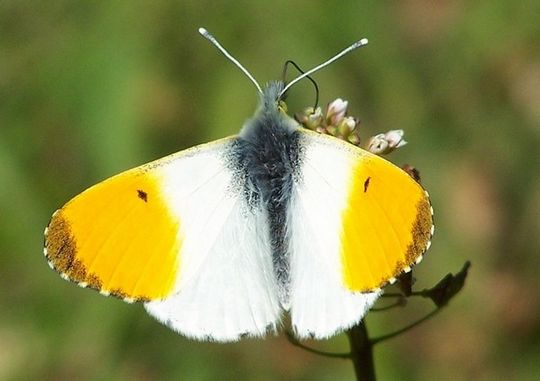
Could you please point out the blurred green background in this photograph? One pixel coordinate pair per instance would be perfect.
(88, 89)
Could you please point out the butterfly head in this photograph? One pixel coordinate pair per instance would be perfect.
(271, 120)
(272, 98)
(272, 107)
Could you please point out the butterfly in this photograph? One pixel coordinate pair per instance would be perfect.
(220, 240)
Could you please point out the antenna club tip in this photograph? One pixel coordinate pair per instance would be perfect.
(364, 41)
(203, 31)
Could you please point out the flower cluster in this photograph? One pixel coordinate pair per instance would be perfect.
(337, 123)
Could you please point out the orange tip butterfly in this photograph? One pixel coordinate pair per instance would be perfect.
(218, 241)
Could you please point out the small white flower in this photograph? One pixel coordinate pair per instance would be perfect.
(377, 144)
(336, 111)
(395, 138)
(385, 143)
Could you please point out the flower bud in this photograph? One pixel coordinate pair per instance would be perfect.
(385, 143)
(336, 111)
(347, 126)
(310, 118)
(395, 138)
(354, 139)
(315, 118)
(377, 144)
(411, 171)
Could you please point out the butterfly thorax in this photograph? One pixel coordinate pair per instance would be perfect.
(268, 155)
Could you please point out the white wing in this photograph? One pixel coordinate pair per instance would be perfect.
(320, 304)
(226, 287)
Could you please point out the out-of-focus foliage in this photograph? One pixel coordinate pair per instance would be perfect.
(90, 88)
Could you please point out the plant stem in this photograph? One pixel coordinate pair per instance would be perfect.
(361, 352)
(294, 341)
(376, 340)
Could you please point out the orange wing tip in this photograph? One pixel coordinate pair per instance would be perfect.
(60, 251)
(102, 292)
(422, 233)
(420, 230)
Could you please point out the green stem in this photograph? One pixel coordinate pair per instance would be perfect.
(298, 344)
(398, 303)
(362, 352)
(377, 340)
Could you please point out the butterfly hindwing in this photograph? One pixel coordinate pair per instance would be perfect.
(356, 222)
(178, 234)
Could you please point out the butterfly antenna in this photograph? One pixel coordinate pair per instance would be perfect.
(206, 34)
(356, 45)
(284, 76)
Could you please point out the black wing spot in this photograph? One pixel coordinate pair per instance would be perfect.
(142, 195)
(366, 184)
